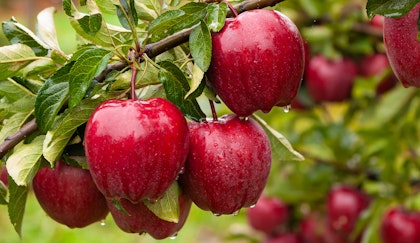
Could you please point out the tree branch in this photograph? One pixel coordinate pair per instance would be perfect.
(152, 50)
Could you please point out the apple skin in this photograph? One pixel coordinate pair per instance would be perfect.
(257, 61)
(344, 206)
(330, 80)
(69, 196)
(141, 220)
(228, 164)
(135, 149)
(374, 65)
(268, 214)
(4, 176)
(403, 47)
(400, 226)
(284, 238)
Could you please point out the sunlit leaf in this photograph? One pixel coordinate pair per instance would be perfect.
(24, 162)
(216, 16)
(17, 33)
(167, 207)
(281, 148)
(13, 58)
(46, 28)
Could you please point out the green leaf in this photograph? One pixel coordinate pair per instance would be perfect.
(18, 34)
(3, 194)
(52, 96)
(200, 46)
(167, 207)
(13, 58)
(91, 24)
(12, 90)
(86, 67)
(281, 148)
(46, 28)
(23, 164)
(13, 124)
(57, 138)
(127, 13)
(390, 8)
(175, 20)
(196, 81)
(216, 16)
(147, 9)
(17, 203)
(176, 87)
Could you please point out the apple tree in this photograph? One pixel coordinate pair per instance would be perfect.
(339, 162)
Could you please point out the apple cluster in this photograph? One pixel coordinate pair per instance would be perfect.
(330, 79)
(137, 150)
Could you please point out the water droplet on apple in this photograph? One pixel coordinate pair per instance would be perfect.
(236, 213)
(181, 171)
(152, 201)
(252, 206)
(217, 214)
(173, 237)
(102, 223)
(287, 108)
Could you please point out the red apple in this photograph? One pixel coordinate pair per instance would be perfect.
(268, 214)
(378, 22)
(137, 218)
(400, 226)
(135, 149)
(69, 195)
(228, 164)
(312, 228)
(257, 61)
(376, 65)
(330, 80)
(344, 206)
(403, 47)
(284, 238)
(4, 175)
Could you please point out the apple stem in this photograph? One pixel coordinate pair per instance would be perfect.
(232, 9)
(213, 110)
(132, 57)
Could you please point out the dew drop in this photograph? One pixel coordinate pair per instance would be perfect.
(181, 171)
(217, 214)
(252, 206)
(287, 108)
(173, 237)
(236, 213)
(102, 223)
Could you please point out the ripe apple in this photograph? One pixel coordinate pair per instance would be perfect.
(257, 61)
(344, 205)
(4, 175)
(228, 164)
(139, 219)
(330, 80)
(284, 238)
(400, 225)
(312, 228)
(268, 214)
(135, 149)
(403, 47)
(375, 65)
(69, 195)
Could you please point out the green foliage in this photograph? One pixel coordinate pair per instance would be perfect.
(390, 8)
